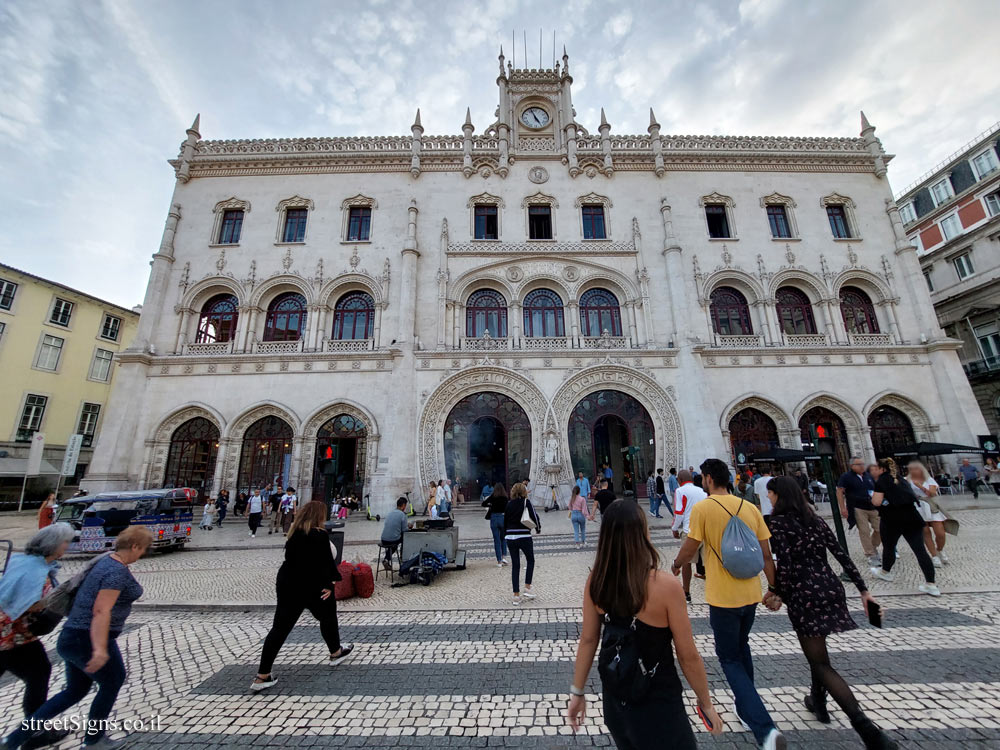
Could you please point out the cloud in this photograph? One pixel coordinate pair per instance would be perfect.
(94, 97)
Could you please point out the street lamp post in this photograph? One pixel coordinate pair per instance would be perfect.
(825, 453)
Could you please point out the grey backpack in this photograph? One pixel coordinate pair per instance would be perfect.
(740, 552)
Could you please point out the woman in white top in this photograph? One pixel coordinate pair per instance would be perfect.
(208, 514)
(926, 490)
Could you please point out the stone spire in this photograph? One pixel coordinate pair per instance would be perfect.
(467, 130)
(503, 73)
(605, 129)
(874, 146)
(417, 130)
(865, 125)
(187, 150)
(565, 60)
(604, 121)
(416, 123)
(654, 137)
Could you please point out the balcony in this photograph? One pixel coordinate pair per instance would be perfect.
(545, 343)
(738, 342)
(348, 345)
(983, 368)
(223, 347)
(277, 347)
(486, 343)
(804, 340)
(604, 341)
(869, 339)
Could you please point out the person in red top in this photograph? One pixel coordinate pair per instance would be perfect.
(47, 513)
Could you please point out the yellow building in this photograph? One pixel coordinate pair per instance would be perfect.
(57, 347)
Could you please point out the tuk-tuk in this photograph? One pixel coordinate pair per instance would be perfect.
(98, 519)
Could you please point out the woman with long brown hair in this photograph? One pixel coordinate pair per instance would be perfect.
(642, 609)
(898, 517)
(518, 537)
(305, 581)
(817, 603)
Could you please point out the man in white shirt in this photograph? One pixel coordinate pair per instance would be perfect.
(255, 508)
(760, 490)
(685, 498)
(447, 494)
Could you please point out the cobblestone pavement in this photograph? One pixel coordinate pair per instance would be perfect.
(436, 679)
(434, 665)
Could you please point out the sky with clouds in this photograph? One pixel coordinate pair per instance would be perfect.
(95, 96)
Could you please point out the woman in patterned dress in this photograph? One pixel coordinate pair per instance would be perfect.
(817, 603)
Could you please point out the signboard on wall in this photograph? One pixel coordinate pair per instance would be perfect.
(34, 467)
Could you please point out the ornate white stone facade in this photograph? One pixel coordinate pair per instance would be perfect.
(657, 259)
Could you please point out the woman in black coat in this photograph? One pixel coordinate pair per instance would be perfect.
(305, 581)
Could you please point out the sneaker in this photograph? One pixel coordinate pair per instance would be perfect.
(936, 560)
(739, 718)
(517, 600)
(527, 594)
(775, 740)
(254, 536)
(346, 649)
(270, 532)
(882, 574)
(875, 561)
(503, 561)
(943, 557)
(687, 596)
(250, 534)
(929, 588)
(499, 564)
(387, 564)
(263, 684)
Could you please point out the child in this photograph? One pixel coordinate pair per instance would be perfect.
(207, 514)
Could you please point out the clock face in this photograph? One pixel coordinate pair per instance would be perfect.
(535, 117)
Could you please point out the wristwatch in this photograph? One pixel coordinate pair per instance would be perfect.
(574, 690)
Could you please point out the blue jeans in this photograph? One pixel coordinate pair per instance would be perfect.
(499, 543)
(579, 526)
(75, 648)
(731, 627)
(654, 504)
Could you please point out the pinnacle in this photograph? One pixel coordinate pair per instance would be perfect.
(416, 122)
(865, 125)
(652, 117)
(468, 117)
(197, 123)
(604, 120)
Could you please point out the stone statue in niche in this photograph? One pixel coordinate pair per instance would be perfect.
(551, 450)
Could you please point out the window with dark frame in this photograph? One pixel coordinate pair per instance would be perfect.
(795, 313)
(540, 222)
(858, 311)
(600, 312)
(111, 327)
(231, 227)
(359, 224)
(62, 311)
(543, 314)
(295, 225)
(837, 215)
(593, 222)
(485, 311)
(718, 221)
(730, 312)
(354, 317)
(31, 417)
(7, 291)
(217, 323)
(88, 423)
(777, 218)
(286, 318)
(486, 224)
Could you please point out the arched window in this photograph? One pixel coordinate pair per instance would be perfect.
(858, 311)
(218, 320)
(354, 317)
(599, 312)
(891, 431)
(286, 318)
(191, 457)
(795, 313)
(267, 444)
(730, 313)
(485, 311)
(543, 314)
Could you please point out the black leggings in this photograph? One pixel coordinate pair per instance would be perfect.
(648, 724)
(526, 545)
(287, 613)
(29, 664)
(915, 538)
(825, 678)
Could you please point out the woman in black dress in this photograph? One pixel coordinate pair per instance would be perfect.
(817, 604)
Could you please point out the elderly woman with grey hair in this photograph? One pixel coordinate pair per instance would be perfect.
(28, 578)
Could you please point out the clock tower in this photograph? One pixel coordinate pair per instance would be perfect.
(535, 119)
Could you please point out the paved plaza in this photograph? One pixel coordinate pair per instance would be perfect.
(433, 666)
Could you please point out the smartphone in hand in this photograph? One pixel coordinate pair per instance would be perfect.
(704, 719)
(875, 614)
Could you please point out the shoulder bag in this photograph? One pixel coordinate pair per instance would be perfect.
(57, 603)
(623, 673)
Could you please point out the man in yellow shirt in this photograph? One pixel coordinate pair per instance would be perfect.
(732, 601)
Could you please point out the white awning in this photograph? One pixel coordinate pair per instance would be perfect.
(15, 467)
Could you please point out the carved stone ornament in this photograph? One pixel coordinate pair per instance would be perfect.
(355, 259)
(286, 260)
(571, 273)
(514, 274)
(538, 175)
(220, 263)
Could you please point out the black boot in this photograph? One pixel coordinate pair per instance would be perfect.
(816, 705)
(874, 738)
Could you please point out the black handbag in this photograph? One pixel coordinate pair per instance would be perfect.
(623, 673)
